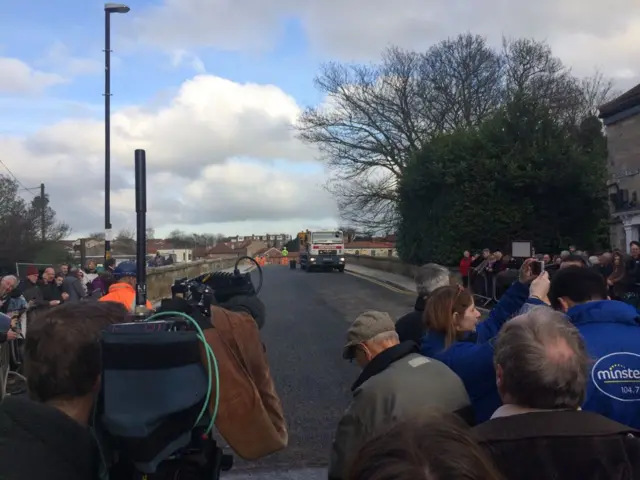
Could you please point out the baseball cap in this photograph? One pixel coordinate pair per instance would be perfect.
(364, 328)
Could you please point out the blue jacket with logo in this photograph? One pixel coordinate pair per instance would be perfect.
(611, 330)
(473, 360)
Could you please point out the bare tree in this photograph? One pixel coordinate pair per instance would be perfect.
(372, 124)
(151, 233)
(207, 239)
(531, 70)
(349, 232)
(125, 234)
(97, 236)
(463, 81)
(125, 241)
(54, 229)
(22, 224)
(180, 239)
(377, 117)
(218, 238)
(596, 90)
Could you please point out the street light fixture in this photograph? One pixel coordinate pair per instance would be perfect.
(109, 8)
(116, 8)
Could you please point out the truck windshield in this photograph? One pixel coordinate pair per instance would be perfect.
(326, 237)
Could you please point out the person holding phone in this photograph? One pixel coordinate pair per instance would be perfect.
(456, 338)
(537, 267)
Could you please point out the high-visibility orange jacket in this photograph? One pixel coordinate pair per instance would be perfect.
(125, 294)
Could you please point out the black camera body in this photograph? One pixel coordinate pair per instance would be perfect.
(138, 360)
(213, 288)
(153, 408)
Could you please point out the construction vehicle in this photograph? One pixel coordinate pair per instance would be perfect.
(321, 249)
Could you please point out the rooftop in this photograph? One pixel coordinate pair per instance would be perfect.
(629, 100)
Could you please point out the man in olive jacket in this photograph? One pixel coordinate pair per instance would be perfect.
(396, 383)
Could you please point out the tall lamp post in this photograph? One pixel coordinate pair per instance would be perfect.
(109, 8)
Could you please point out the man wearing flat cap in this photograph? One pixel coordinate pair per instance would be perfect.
(396, 383)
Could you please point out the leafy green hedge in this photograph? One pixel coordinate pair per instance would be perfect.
(523, 175)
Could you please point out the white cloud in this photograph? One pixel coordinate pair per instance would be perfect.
(585, 33)
(183, 57)
(18, 78)
(209, 121)
(60, 58)
(218, 152)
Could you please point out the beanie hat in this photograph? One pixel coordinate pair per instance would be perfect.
(32, 270)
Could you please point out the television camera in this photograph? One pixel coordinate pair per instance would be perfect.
(153, 415)
(214, 288)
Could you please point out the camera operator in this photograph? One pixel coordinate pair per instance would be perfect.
(251, 418)
(47, 436)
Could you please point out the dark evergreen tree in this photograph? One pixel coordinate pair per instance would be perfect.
(521, 175)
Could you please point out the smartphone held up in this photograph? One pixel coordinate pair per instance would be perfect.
(537, 267)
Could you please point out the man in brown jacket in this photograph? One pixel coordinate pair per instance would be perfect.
(542, 370)
(251, 417)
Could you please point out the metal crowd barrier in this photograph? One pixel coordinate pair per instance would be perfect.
(489, 287)
(482, 288)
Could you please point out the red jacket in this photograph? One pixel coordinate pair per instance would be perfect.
(465, 266)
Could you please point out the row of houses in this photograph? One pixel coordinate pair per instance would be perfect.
(271, 245)
(368, 248)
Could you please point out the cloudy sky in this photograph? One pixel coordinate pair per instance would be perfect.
(210, 88)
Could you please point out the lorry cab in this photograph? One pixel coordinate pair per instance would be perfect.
(322, 250)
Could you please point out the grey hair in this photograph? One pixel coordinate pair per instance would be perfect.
(430, 277)
(544, 361)
(564, 254)
(385, 337)
(12, 278)
(594, 260)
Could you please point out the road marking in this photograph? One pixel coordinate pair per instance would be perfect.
(382, 284)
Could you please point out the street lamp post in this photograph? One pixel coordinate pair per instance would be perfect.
(109, 8)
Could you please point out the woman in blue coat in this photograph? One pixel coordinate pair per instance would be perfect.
(455, 337)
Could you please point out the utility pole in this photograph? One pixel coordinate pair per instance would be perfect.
(43, 213)
(83, 251)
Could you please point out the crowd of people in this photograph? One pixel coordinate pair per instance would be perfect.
(21, 299)
(546, 386)
(57, 428)
(489, 274)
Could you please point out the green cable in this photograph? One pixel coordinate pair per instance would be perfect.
(211, 359)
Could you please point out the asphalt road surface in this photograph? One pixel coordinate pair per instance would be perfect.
(307, 318)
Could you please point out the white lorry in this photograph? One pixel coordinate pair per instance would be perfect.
(321, 249)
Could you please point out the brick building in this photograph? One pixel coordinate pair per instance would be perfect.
(621, 118)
